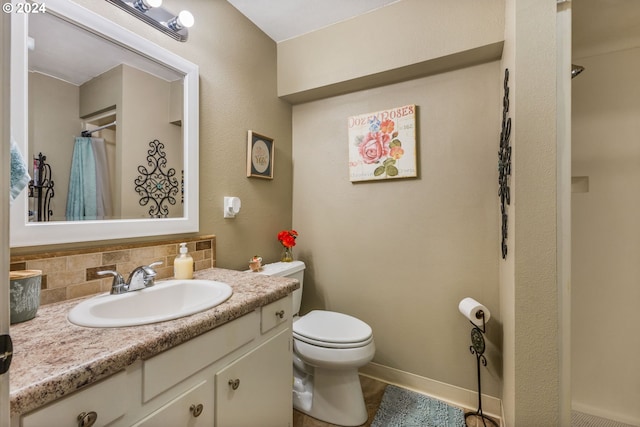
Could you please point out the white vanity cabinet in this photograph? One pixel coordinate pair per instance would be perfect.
(249, 391)
(191, 409)
(98, 405)
(238, 374)
(256, 389)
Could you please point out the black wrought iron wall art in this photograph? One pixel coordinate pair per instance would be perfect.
(504, 164)
(41, 189)
(157, 186)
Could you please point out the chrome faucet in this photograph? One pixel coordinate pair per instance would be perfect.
(140, 278)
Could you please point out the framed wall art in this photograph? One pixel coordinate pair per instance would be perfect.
(260, 156)
(382, 144)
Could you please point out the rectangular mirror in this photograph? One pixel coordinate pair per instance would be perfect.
(109, 124)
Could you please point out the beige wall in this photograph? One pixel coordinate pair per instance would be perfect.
(54, 122)
(606, 232)
(145, 118)
(237, 64)
(401, 254)
(102, 93)
(529, 304)
(528, 283)
(404, 40)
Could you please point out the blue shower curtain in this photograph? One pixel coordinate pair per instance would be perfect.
(82, 198)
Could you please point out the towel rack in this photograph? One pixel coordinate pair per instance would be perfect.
(41, 189)
(87, 133)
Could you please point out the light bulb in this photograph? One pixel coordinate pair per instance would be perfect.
(144, 5)
(183, 20)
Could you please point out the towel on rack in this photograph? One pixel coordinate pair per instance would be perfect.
(19, 172)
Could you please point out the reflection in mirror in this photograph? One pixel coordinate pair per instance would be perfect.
(112, 118)
(80, 85)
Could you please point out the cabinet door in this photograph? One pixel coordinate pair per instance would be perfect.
(256, 389)
(193, 408)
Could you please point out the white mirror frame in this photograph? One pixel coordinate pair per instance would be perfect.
(25, 233)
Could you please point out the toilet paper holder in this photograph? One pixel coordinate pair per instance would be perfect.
(480, 315)
(477, 348)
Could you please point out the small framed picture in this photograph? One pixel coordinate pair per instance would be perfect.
(260, 153)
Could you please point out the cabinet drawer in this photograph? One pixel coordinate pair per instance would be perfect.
(167, 369)
(276, 313)
(105, 398)
(193, 408)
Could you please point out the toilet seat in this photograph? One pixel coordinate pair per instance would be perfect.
(332, 330)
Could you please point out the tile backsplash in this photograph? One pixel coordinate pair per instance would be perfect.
(73, 273)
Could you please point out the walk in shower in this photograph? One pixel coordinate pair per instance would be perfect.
(605, 205)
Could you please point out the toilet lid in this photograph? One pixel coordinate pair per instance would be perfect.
(331, 329)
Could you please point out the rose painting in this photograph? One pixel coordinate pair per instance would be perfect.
(382, 145)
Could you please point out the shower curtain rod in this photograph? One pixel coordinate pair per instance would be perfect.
(87, 133)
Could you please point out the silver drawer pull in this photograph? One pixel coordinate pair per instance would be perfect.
(234, 383)
(280, 314)
(87, 419)
(196, 410)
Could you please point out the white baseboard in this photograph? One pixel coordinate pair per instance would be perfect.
(454, 395)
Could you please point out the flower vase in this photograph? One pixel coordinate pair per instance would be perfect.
(287, 255)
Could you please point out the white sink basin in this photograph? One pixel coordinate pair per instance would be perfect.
(167, 300)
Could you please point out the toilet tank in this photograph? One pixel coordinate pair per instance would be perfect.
(293, 270)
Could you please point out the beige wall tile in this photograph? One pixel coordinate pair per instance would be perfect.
(65, 278)
(80, 262)
(203, 264)
(48, 265)
(165, 250)
(49, 296)
(115, 257)
(72, 274)
(84, 289)
(143, 256)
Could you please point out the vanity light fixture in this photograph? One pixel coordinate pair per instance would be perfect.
(145, 5)
(183, 20)
(152, 12)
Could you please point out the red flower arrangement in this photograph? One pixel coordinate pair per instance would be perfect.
(288, 238)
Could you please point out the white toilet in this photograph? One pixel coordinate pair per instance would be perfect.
(328, 349)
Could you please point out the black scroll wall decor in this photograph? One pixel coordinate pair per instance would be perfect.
(504, 163)
(156, 186)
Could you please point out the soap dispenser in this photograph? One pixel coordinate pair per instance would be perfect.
(183, 264)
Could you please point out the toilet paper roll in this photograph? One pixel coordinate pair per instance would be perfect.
(470, 308)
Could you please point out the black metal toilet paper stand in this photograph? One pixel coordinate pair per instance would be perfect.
(477, 348)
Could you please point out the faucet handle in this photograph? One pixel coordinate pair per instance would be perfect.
(118, 285)
(150, 273)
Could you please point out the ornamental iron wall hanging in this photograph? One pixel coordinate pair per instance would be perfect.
(156, 186)
(504, 163)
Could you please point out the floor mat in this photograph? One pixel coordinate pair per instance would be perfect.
(404, 408)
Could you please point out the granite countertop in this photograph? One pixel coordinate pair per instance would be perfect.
(53, 357)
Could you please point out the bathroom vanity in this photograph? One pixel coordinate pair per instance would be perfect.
(227, 366)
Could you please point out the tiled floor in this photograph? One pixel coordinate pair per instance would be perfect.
(579, 419)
